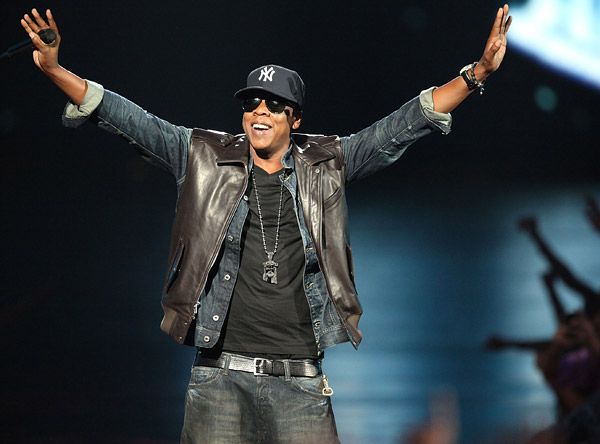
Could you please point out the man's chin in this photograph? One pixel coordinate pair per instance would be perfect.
(260, 145)
(263, 152)
(265, 149)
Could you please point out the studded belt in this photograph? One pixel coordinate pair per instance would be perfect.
(260, 366)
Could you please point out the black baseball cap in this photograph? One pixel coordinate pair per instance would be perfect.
(276, 80)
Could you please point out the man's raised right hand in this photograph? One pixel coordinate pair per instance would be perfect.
(45, 56)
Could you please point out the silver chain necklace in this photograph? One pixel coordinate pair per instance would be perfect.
(270, 266)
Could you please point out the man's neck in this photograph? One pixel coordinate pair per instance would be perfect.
(269, 161)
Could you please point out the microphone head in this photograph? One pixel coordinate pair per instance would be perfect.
(48, 36)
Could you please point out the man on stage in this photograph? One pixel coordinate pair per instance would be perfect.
(260, 277)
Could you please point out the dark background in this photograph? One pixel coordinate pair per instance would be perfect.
(86, 223)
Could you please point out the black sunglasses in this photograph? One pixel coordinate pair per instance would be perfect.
(275, 106)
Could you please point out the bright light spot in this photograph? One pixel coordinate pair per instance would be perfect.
(562, 34)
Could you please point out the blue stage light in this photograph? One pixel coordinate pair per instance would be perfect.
(563, 34)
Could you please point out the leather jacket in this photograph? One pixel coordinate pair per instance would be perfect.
(219, 162)
(211, 172)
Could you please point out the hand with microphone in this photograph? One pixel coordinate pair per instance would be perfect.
(45, 38)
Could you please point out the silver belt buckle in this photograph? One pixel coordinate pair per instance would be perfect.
(259, 364)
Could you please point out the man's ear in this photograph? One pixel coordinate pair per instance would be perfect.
(297, 122)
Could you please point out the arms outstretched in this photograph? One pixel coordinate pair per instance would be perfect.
(450, 95)
(559, 311)
(590, 296)
(494, 343)
(46, 56)
(446, 97)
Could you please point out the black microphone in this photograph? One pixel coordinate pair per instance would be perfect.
(47, 35)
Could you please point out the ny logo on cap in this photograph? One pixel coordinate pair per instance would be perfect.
(266, 73)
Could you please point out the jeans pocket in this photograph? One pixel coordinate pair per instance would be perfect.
(204, 375)
(309, 386)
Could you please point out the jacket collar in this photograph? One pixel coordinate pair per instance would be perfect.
(310, 151)
(236, 151)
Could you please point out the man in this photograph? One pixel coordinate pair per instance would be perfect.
(260, 274)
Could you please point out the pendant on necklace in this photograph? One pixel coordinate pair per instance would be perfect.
(270, 273)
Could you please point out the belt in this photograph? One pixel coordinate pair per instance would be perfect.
(260, 366)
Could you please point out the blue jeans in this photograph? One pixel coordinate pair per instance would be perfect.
(234, 407)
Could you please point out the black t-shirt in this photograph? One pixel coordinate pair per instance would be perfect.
(266, 319)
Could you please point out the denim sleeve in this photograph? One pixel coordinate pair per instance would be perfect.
(382, 143)
(76, 115)
(158, 141)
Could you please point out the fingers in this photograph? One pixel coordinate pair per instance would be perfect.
(508, 23)
(38, 19)
(26, 27)
(497, 39)
(35, 38)
(30, 31)
(497, 26)
(496, 46)
(33, 24)
(501, 24)
(50, 18)
(37, 22)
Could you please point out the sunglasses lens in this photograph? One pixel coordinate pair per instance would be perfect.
(249, 105)
(275, 106)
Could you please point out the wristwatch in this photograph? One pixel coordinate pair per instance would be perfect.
(468, 74)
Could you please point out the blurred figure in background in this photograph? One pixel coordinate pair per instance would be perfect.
(570, 360)
(496, 342)
(591, 297)
(569, 363)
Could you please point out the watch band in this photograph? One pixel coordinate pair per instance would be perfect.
(468, 74)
